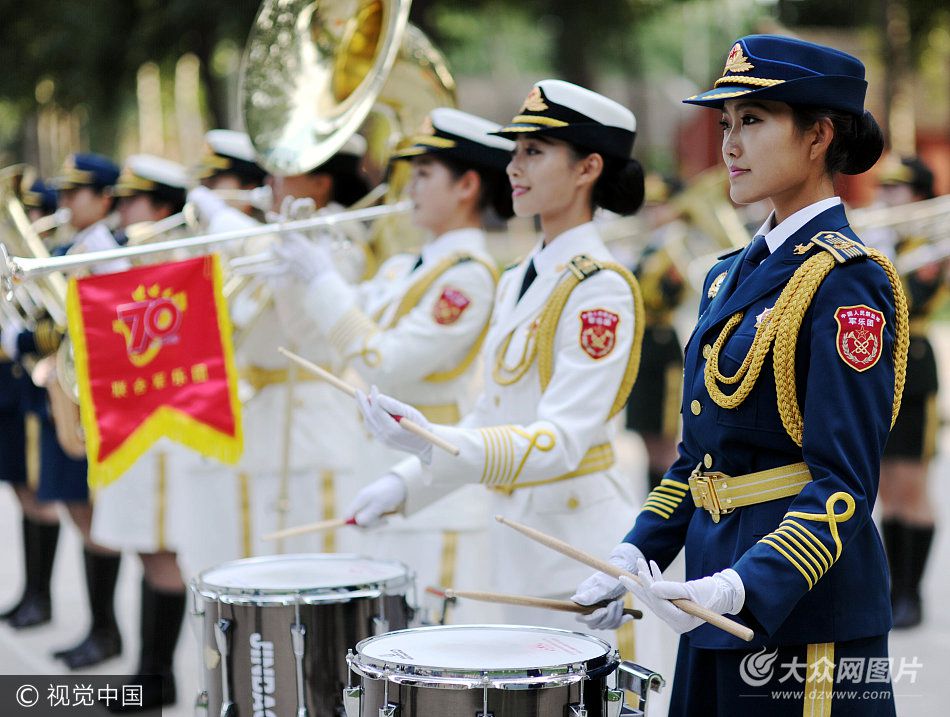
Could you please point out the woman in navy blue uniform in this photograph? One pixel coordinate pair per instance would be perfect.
(907, 512)
(86, 189)
(19, 454)
(793, 378)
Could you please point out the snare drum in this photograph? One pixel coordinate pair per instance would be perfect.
(490, 671)
(275, 630)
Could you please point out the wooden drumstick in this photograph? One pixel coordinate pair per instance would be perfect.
(545, 603)
(309, 528)
(346, 388)
(318, 527)
(687, 606)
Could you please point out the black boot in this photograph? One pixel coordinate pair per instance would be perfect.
(892, 533)
(162, 615)
(103, 640)
(28, 534)
(907, 610)
(35, 607)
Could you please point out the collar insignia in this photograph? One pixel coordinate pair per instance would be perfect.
(802, 248)
(737, 61)
(714, 287)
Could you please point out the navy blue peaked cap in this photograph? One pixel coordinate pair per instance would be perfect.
(40, 195)
(87, 170)
(784, 69)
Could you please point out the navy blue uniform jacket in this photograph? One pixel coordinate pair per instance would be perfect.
(824, 581)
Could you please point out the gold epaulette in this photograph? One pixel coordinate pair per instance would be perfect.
(414, 295)
(583, 267)
(839, 246)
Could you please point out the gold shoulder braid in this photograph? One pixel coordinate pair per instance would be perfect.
(781, 328)
(581, 268)
(419, 289)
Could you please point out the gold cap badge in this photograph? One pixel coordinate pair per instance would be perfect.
(534, 102)
(737, 61)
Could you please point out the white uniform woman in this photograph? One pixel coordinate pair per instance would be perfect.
(298, 431)
(417, 327)
(561, 354)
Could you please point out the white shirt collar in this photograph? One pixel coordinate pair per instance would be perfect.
(776, 236)
(582, 239)
(468, 239)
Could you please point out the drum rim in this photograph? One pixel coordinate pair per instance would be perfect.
(471, 677)
(398, 585)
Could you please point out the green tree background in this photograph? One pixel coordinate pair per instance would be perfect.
(86, 54)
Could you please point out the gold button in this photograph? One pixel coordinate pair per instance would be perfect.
(707, 461)
(497, 400)
(696, 407)
(707, 349)
(573, 503)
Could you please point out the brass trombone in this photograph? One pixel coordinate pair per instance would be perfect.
(19, 269)
(260, 198)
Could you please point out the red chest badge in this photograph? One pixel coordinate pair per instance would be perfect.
(860, 331)
(450, 306)
(598, 332)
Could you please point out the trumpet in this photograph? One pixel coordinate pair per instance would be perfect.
(261, 198)
(18, 269)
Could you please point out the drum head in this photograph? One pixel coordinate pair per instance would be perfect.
(460, 650)
(305, 574)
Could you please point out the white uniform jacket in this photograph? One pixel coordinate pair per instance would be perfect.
(415, 331)
(522, 443)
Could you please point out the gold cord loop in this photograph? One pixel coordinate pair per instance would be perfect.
(780, 329)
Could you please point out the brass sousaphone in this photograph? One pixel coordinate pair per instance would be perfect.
(314, 71)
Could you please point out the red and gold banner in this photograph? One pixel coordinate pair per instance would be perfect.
(154, 358)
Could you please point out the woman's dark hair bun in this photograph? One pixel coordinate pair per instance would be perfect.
(863, 146)
(858, 142)
(620, 187)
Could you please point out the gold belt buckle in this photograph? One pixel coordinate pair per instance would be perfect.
(704, 492)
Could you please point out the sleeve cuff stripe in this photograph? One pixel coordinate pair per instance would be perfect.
(674, 484)
(767, 540)
(802, 550)
(663, 500)
(661, 513)
(814, 543)
(669, 491)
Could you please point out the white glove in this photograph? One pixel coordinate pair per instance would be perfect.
(601, 586)
(303, 258)
(722, 593)
(379, 410)
(206, 202)
(384, 495)
(9, 339)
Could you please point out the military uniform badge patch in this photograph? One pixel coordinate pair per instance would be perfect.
(450, 306)
(598, 332)
(860, 335)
